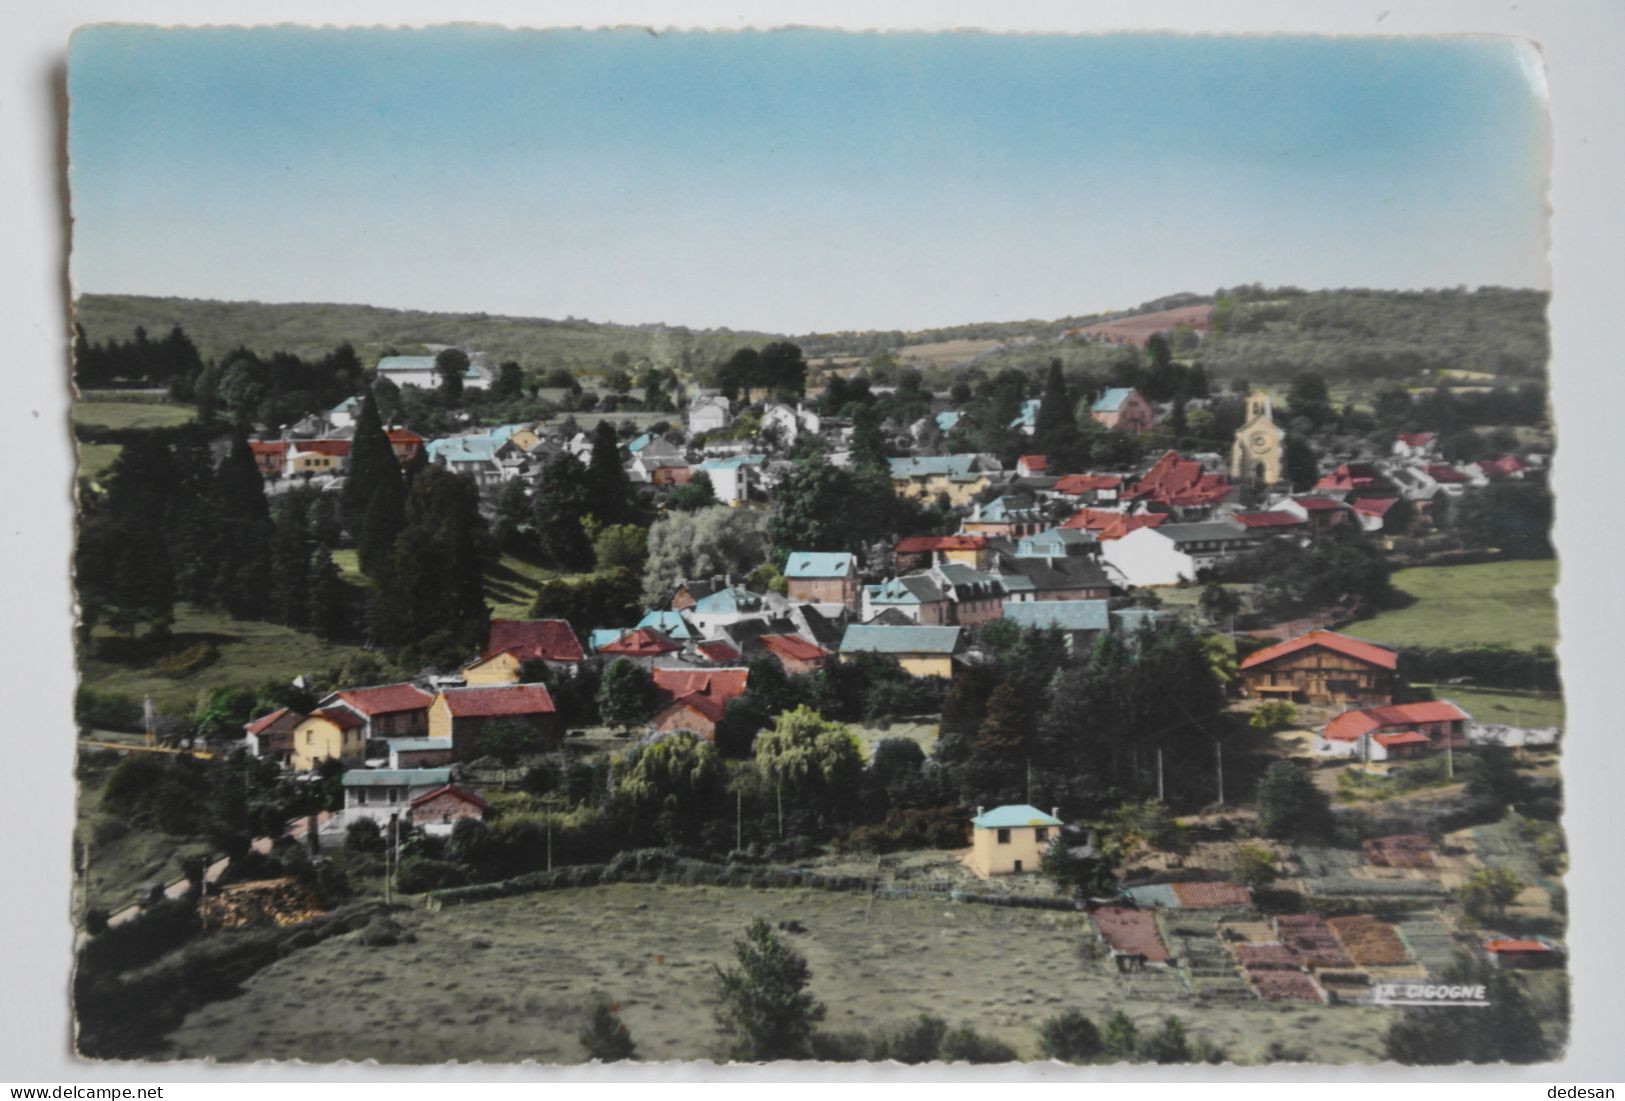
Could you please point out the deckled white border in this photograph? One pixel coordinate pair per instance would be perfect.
(1580, 40)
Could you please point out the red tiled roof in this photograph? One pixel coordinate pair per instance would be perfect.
(1508, 945)
(1404, 737)
(452, 789)
(1108, 524)
(1416, 439)
(1342, 644)
(1373, 506)
(793, 647)
(682, 475)
(386, 699)
(261, 724)
(268, 447)
(1504, 467)
(1222, 893)
(711, 708)
(718, 651)
(502, 699)
(1180, 482)
(1352, 724)
(643, 642)
(718, 684)
(1447, 475)
(339, 717)
(1076, 485)
(323, 447)
(1272, 519)
(920, 544)
(1311, 503)
(533, 640)
(1034, 462)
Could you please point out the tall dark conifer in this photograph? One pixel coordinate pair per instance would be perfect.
(608, 486)
(241, 521)
(374, 494)
(563, 500)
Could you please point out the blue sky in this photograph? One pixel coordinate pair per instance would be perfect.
(794, 180)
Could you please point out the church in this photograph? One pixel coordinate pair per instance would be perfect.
(1255, 459)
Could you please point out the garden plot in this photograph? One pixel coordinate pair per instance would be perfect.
(1210, 972)
(1430, 944)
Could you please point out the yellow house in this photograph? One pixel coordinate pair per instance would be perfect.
(331, 732)
(1010, 840)
(960, 477)
(499, 668)
(921, 651)
(525, 439)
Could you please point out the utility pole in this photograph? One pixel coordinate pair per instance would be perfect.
(739, 821)
(389, 864)
(1218, 753)
(1159, 775)
(550, 844)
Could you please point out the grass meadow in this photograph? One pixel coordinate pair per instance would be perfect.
(132, 414)
(1507, 603)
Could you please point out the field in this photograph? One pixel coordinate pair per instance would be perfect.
(251, 653)
(1141, 327)
(922, 732)
(132, 414)
(1486, 604)
(1489, 705)
(946, 353)
(96, 459)
(509, 980)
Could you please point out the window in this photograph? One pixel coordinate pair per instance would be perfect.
(360, 797)
(1004, 837)
(1042, 833)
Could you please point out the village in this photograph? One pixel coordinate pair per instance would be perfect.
(1092, 667)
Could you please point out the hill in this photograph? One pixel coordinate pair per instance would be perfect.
(312, 329)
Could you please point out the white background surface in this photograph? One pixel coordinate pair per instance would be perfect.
(1581, 41)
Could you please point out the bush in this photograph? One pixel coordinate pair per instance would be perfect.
(840, 1047)
(919, 1041)
(605, 1036)
(94, 709)
(931, 828)
(965, 1045)
(1071, 1037)
(364, 836)
(421, 873)
(1273, 715)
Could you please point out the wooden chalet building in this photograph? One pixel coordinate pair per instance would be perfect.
(1321, 667)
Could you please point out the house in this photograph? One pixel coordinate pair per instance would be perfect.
(1010, 840)
(658, 470)
(650, 446)
(1321, 514)
(960, 478)
(1012, 516)
(1026, 421)
(921, 651)
(1507, 466)
(1171, 553)
(1057, 543)
(329, 733)
(1373, 513)
(1081, 621)
(1123, 407)
(973, 597)
(1272, 522)
(1399, 730)
(697, 698)
(344, 413)
(795, 653)
(1415, 445)
(1353, 478)
(386, 710)
(731, 478)
(271, 735)
(707, 413)
(674, 625)
(437, 812)
(1095, 489)
(1179, 485)
(419, 371)
(473, 456)
(789, 423)
(1032, 466)
(385, 793)
(823, 577)
(459, 715)
(1258, 452)
(1525, 953)
(316, 457)
(719, 652)
(270, 456)
(642, 646)
(917, 597)
(1112, 524)
(947, 420)
(405, 442)
(689, 591)
(1026, 579)
(727, 605)
(1321, 667)
(509, 643)
(918, 552)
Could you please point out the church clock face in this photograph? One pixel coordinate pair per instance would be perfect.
(1259, 442)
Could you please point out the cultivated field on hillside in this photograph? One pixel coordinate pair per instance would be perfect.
(132, 414)
(1484, 604)
(1141, 327)
(946, 353)
(510, 980)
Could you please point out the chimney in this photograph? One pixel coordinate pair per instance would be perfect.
(1055, 812)
(978, 812)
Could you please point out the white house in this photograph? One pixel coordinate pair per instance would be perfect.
(789, 423)
(344, 413)
(708, 414)
(731, 478)
(384, 793)
(419, 371)
(1172, 553)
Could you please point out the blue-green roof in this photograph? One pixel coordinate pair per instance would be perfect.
(1029, 414)
(912, 589)
(730, 600)
(948, 418)
(1112, 400)
(409, 745)
(599, 637)
(464, 448)
(1012, 816)
(732, 464)
(671, 624)
(820, 564)
(396, 777)
(424, 364)
(639, 444)
(1061, 615)
(930, 466)
(863, 638)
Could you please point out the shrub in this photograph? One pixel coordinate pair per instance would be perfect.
(1272, 715)
(605, 1037)
(364, 836)
(965, 1045)
(1255, 866)
(764, 1003)
(840, 1047)
(93, 708)
(1071, 1037)
(421, 873)
(931, 828)
(919, 1041)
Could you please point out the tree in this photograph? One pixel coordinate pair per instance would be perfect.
(1272, 715)
(809, 756)
(1299, 464)
(625, 695)
(1255, 866)
(621, 547)
(512, 517)
(1514, 517)
(1168, 1044)
(561, 505)
(1078, 872)
(679, 775)
(451, 364)
(765, 1007)
(507, 740)
(1122, 1038)
(374, 495)
(708, 543)
(1488, 893)
(605, 1037)
(1071, 1037)
(1218, 604)
(608, 487)
(782, 369)
(1506, 1030)
(510, 381)
(1290, 806)
(697, 494)
(431, 605)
